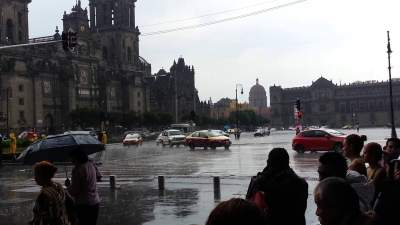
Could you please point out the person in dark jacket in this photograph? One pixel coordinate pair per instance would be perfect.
(285, 193)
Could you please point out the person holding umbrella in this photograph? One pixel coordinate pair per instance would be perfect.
(84, 188)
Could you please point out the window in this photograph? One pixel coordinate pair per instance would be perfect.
(308, 133)
(22, 114)
(139, 103)
(21, 101)
(129, 52)
(20, 88)
(138, 94)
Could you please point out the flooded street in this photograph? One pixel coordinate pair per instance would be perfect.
(188, 197)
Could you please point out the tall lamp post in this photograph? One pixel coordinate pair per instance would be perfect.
(389, 51)
(8, 93)
(237, 104)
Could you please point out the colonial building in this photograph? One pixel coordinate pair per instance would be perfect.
(225, 106)
(175, 92)
(325, 103)
(41, 84)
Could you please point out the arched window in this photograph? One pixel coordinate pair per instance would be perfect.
(10, 31)
(105, 54)
(129, 52)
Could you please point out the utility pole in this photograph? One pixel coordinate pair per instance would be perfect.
(237, 106)
(389, 51)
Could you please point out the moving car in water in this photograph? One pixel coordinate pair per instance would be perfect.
(261, 132)
(318, 140)
(207, 139)
(132, 139)
(172, 137)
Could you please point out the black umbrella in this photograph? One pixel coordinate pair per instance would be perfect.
(58, 148)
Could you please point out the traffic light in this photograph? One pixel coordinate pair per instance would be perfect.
(298, 106)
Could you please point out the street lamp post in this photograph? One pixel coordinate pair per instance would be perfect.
(389, 51)
(8, 91)
(237, 104)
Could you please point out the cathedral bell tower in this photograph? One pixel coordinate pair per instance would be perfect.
(14, 22)
(114, 22)
(77, 20)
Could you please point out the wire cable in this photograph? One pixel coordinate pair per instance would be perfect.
(209, 14)
(221, 20)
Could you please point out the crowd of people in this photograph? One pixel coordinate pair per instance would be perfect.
(348, 192)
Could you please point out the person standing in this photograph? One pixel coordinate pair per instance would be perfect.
(285, 193)
(83, 188)
(13, 144)
(352, 146)
(50, 205)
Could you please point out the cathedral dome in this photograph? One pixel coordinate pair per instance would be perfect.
(258, 96)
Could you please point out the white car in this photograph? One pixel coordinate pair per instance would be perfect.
(132, 139)
(172, 137)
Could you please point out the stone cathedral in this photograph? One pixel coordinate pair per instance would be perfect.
(41, 84)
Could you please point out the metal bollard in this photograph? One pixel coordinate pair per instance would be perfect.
(113, 181)
(217, 188)
(161, 183)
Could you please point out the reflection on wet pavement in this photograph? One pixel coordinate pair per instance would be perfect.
(188, 196)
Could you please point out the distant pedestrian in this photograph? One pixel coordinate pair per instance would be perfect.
(236, 211)
(84, 188)
(285, 193)
(13, 144)
(338, 203)
(50, 205)
(352, 146)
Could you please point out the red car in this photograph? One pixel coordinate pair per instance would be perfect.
(207, 138)
(318, 140)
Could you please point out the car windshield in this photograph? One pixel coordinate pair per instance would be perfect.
(335, 132)
(175, 132)
(132, 136)
(214, 134)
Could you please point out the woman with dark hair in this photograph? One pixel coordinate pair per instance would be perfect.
(50, 207)
(373, 156)
(338, 203)
(236, 211)
(84, 188)
(352, 146)
(376, 173)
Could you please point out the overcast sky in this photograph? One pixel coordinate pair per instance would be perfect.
(342, 40)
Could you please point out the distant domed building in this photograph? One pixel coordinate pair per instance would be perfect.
(258, 96)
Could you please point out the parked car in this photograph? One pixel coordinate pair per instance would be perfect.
(261, 132)
(172, 137)
(207, 139)
(318, 140)
(132, 139)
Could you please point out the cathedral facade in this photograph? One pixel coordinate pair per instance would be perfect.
(41, 84)
(365, 104)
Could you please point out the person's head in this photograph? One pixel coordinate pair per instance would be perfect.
(332, 164)
(278, 159)
(236, 211)
(44, 172)
(337, 202)
(392, 149)
(78, 156)
(353, 144)
(373, 153)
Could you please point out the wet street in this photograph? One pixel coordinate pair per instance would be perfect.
(188, 197)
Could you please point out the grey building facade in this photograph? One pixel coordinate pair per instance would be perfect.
(325, 103)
